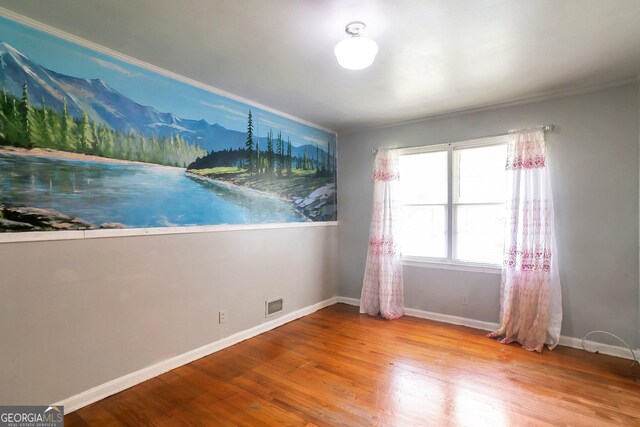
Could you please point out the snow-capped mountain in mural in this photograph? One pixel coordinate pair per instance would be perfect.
(103, 104)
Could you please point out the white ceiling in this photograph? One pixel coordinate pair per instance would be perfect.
(435, 56)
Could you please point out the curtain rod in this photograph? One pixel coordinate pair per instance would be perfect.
(547, 128)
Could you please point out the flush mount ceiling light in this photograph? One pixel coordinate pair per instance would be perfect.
(356, 52)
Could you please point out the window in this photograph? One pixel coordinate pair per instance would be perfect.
(453, 202)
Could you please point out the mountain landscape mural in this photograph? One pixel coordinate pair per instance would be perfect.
(109, 144)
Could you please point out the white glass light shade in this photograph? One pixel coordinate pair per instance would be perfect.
(356, 53)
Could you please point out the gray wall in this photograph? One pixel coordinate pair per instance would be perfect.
(594, 160)
(75, 314)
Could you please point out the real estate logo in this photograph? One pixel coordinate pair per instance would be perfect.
(32, 416)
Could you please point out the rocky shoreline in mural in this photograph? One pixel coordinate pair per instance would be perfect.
(38, 219)
(320, 205)
(314, 197)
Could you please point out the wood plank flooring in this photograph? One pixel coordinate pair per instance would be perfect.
(337, 367)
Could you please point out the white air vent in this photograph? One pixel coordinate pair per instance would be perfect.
(272, 307)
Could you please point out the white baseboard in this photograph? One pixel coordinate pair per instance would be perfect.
(122, 383)
(349, 301)
(594, 346)
(611, 350)
(454, 320)
(117, 385)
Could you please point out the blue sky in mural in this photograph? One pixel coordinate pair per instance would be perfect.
(149, 88)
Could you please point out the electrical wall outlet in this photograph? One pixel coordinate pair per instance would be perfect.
(465, 299)
(222, 316)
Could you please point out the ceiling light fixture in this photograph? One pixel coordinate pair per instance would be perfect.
(356, 52)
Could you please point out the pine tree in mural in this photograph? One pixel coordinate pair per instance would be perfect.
(270, 154)
(51, 126)
(40, 125)
(332, 164)
(258, 159)
(10, 129)
(66, 128)
(328, 162)
(95, 143)
(289, 160)
(24, 118)
(85, 136)
(279, 155)
(249, 144)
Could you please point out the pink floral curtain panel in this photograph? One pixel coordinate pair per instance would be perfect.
(382, 288)
(530, 299)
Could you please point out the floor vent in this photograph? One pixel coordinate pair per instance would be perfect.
(273, 307)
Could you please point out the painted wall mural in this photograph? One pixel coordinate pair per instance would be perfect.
(88, 141)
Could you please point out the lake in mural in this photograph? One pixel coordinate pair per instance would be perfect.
(90, 141)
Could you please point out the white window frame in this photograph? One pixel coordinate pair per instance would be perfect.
(449, 263)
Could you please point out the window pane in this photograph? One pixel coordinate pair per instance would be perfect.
(479, 233)
(481, 175)
(423, 178)
(424, 231)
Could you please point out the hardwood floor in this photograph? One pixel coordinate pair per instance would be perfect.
(337, 367)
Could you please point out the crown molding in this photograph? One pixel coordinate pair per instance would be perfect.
(491, 107)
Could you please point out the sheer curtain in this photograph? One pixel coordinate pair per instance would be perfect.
(382, 288)
(530, 298)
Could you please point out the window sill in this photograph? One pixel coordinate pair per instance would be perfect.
(476, 268)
